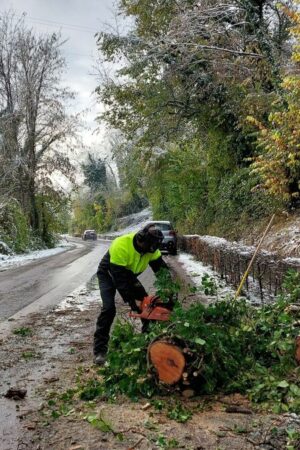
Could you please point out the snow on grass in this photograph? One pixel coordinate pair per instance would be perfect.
(193, 267)
(131, 223)
(8, 261)
(5, 248)
(291, 260)
(197, 270)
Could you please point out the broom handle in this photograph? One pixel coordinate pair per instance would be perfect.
(252, 259)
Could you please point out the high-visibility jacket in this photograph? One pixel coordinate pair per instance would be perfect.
(124, 262)
(123, 253)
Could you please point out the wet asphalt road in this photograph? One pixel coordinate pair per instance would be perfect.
(46, 281)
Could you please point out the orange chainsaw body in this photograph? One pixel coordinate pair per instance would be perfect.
(152, 309)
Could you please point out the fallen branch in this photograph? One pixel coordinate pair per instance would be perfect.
(137, 443)
(132, 429)
(238, 409)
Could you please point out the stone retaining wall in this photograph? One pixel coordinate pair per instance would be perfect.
(231, 260)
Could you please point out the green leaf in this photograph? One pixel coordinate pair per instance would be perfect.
(283, 384)
(295, 390)
(200, 341)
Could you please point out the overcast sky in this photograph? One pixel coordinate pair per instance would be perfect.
(78, 21)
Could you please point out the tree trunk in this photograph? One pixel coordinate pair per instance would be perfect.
(34, 217)
(174, 365)
(33, 212)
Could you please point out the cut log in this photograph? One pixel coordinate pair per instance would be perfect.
(168, 360)
(174, 365)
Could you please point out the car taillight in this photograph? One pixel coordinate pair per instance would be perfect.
(172, 233)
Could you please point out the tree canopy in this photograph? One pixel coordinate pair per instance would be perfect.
(188, 75)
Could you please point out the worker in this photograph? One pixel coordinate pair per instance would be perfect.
(128, 256)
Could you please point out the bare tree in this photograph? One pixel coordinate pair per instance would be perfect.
(34, 126)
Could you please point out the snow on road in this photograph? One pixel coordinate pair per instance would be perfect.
(80, 299)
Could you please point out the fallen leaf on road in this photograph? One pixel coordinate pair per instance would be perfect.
(146, 406)
(30, 426)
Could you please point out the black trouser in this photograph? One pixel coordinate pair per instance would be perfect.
(107, 315)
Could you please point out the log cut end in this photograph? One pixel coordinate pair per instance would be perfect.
(168, 360)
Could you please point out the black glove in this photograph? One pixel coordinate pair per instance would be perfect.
(139, 290)
(134, 306)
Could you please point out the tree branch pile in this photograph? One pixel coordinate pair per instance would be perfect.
(227, 347)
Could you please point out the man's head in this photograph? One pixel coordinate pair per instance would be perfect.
(149, 238)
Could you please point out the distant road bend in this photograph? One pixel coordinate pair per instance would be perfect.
(48, 280)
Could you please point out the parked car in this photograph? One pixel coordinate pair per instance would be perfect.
(89, 234)
(170, 235)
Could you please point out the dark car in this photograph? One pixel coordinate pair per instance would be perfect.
(89, 234)
(170, 235)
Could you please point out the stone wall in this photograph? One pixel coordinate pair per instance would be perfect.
(231, 260)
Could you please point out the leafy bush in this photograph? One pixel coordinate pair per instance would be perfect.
(54, 214)
(238, 200)
(291, 285)
(178, 177)
(18, 235)
(14, 229)
(131, 203)
(208, 285)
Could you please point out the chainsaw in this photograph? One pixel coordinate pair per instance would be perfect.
(153, 308)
